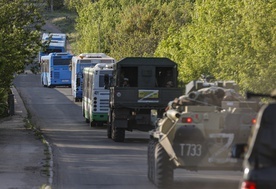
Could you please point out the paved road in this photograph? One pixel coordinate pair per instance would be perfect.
(83, 157)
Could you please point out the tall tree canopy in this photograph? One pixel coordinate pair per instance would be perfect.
(229, 39)
(126, 28)
(20, 26)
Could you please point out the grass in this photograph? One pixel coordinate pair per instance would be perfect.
(39, 136)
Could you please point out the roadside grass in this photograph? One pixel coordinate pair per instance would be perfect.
(39, 136)
(64, 20)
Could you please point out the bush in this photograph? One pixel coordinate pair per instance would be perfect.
(4, 93)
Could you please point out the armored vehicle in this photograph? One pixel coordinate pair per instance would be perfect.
(139, 86)
(260, 151)
(198, 129)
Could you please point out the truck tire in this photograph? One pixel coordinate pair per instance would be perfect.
(109, 131)
(118, 134)
(151, 145)
(109, 124)
(163, 167)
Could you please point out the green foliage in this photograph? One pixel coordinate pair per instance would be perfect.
(232, 40)
(3, 102)
(20, 26)
(19, 36)
(126, 28)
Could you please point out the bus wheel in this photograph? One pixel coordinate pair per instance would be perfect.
(93, 123)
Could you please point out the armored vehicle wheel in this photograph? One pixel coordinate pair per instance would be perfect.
(118, 134)
(163, 167)
(151, 145)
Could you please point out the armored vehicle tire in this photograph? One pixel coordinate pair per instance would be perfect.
(118, 134)
(163, 167)
(151, 145)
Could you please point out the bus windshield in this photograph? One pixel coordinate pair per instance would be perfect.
(61, 61)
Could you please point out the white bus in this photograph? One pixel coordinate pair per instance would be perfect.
(56, 43)
(54, 36)
(55, 69)
(78, 63)
(95, 99)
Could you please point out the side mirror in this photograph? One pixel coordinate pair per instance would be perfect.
(238, 151)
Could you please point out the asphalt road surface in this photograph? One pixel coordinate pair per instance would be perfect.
(83, 157)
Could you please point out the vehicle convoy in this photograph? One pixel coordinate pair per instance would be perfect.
(55, 69)
(78, 63)
(259, 152)
(138, 86)
(198, 129)
(95, 103)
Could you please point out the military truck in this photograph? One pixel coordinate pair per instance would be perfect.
(152, 82)
(198, 130)
(259, 153)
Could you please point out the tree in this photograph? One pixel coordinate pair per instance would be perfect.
(126, 28)
(232, 40)
(55, 4)
(20, 26)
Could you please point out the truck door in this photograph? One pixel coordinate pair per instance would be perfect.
(146, 76)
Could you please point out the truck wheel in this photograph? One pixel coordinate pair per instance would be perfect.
(109, 131)
(151, 145)
(118, 134)
(109, 124)
(163, 173)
